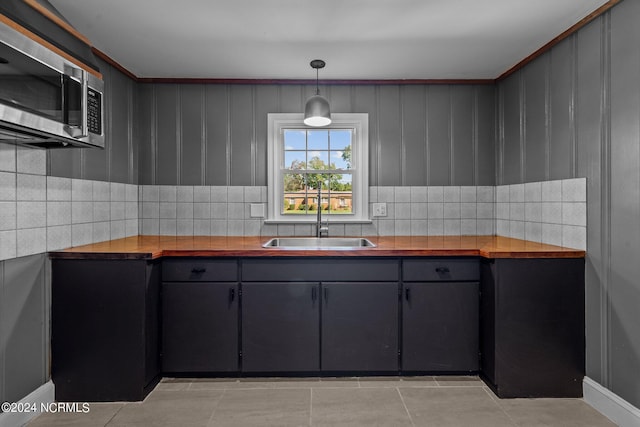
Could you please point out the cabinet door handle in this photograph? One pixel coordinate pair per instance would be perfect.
(198, 270)
(232, 294)
(442, 270)
(407, 294)
(326, 294)
(314, 294)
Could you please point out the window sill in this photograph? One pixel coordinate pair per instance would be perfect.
(324, 219)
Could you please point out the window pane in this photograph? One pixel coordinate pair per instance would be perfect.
(340, 139)
(318, 160)
(294, 159)
(338, 160)
(318, 140)
(341, 194)
(294, 139)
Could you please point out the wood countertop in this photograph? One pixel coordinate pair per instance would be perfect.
(152, 247)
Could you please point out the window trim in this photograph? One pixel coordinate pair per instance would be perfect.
(359, 122)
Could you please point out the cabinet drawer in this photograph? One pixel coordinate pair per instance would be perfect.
(319, 270)
(200, 270)
(440, 270)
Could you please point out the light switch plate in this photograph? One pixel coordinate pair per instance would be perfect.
(379, 209)
(257, 210)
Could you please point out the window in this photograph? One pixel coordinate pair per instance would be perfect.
(304, 160)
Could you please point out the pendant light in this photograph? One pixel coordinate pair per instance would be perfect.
(316, 110)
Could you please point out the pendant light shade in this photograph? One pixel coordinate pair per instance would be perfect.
(317, 111)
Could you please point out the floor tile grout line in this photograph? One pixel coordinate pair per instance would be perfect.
(310, 406)
(114, 415)
(405, 406)
(497, 403)
(210, 420)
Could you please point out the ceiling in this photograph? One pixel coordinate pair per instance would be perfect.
(359, 39)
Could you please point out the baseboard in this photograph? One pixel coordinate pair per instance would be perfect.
(43, 394)
(610, 404)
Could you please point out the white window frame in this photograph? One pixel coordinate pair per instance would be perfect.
(359, 123)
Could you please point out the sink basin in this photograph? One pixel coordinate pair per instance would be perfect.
(319, 243)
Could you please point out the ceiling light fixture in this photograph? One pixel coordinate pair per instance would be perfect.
(316, 111)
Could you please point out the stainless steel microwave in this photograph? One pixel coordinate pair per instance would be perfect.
(46, 100)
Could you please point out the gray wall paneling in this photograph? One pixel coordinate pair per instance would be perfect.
(145, 126)
(192, 129)
(167, 138)
(24, 319)
(419, 135)
(414, 135)
(511, 130)
(561, 105)
(390, 145)
(463, 149)
(591, 119)
(365, 101)
(242, 135)
(438, 134)
(624, 288)
(536, 127)
(218, 146)
(485, 120)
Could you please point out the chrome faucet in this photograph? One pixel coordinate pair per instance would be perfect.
(320, 229)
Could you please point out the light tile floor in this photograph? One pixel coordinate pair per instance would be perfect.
(392, 401)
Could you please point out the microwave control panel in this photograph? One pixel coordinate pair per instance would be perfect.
(94, 111)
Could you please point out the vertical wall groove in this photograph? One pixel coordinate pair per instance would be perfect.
(203, 137)
(403, 148)
(452, 166)
(154, 135)
(606, 198)
(228, 152)
(547, 117)
(523, 126)
(178, 134)
(475, 136)
(426, 136)
(253, 135)
(572, 108)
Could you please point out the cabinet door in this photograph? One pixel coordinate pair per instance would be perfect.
(360, 326)
(200, 327)
(440, 326)
(280, 327)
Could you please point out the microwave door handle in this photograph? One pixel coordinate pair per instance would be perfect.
(83, 130)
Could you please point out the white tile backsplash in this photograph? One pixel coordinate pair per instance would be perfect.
(402, 195)
(75, 212)
(31, 187)
(7, 158)
(452, 194)
(7, 186)
(58, 189)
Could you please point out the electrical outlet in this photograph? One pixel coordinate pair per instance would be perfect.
(379, 209)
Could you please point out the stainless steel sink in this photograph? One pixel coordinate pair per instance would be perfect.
(319, 243)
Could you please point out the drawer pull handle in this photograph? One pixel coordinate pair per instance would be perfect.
(232, 294)
(442, 270)
(198, 270)
(407, 294)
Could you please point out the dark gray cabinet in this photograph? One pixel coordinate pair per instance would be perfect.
(533, 327)
(104, 329)
(280, 327)
(332, 315)
(360, 327)
(440, 315)
(200, 300)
